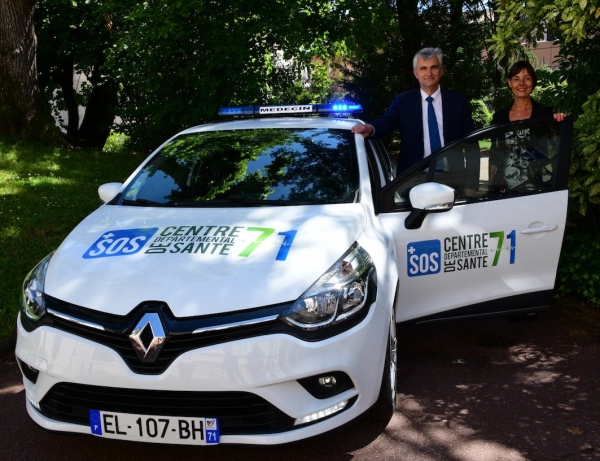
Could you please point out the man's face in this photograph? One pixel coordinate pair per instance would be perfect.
(428, 73)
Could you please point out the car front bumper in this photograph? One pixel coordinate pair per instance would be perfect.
(266, 366)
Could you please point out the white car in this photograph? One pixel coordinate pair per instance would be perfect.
(244, 284)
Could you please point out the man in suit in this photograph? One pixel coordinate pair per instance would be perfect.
(411, 113)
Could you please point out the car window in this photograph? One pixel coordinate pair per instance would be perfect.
(496, 163)
(250, 167)
(380, 172)
(383, 159)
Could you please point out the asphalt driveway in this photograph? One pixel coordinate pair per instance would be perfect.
(478, 390)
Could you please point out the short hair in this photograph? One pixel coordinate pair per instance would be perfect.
(428, 53)
(517, 67)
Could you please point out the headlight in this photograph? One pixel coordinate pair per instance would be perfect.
(33, 304)
(340, 293)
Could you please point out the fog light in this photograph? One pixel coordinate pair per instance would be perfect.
(327, 382)
(326, 385)
(322, 413)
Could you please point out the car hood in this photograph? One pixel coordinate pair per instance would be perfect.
(199, 261)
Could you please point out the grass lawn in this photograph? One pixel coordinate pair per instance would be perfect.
(44, 193)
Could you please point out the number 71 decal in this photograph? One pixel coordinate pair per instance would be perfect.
(265, 232)
(512, 236)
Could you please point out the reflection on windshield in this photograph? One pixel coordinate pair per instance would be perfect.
(250, 167)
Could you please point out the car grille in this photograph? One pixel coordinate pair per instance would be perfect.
(239, 413)
(174, 345)
(180, 338)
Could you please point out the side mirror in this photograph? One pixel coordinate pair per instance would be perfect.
(109, 191)
(430, 197)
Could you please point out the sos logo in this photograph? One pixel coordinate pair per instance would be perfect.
(120, 243)
(424, 258)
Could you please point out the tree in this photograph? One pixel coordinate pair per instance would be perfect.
(385, 35)
(22, 108)
(164, 65)
(73, 40)
(176, 62)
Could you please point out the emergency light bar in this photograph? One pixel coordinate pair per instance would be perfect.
(333, 108)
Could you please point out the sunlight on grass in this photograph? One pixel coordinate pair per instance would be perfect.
(11, 231)
(15, 184)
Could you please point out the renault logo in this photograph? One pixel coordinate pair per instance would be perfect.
(148, 337)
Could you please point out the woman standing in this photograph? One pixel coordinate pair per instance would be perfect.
(522, 80)
(520, 166)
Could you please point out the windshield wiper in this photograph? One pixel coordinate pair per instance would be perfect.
(142, 202)
(247, 201)
(222, 202)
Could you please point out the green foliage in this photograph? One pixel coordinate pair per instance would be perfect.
(178, 62)
(579, 267)
(579, 67)
(570, 20)
(117, 143)
(44, 193)
(482, 116)
(550, 89)
(175, 62)
(584, 185)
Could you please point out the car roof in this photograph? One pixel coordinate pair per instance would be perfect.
(276, 122)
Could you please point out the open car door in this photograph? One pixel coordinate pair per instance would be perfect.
(494, 249)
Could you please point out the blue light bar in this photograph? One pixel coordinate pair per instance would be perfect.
(241, 110)
(341, 108)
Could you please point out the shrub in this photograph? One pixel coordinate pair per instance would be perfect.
(117, 143)
(579, 269)
(482, 116)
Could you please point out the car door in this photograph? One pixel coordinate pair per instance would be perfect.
(497, 250)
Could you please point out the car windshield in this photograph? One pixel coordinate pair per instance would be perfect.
(254, 167)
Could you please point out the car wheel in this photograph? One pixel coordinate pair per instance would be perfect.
(384, 407)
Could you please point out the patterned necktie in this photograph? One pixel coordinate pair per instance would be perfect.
(434, 133)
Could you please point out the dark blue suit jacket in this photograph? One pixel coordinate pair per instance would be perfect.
(406, 114)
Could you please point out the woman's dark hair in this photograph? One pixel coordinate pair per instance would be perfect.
(518, 67)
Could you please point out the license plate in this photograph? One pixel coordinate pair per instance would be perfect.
(156, 429)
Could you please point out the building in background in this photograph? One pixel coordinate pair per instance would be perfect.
(547, 51)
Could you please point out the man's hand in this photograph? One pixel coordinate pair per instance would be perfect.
(365, 130)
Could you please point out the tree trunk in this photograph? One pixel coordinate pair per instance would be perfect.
(65, 75)
(22, 109)
(99, 115)
(99, 111)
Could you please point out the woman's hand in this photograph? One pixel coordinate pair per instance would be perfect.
(559, 116)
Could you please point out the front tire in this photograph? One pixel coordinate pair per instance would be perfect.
(384, 407)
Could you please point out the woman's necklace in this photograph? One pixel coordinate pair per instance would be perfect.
(518, 111)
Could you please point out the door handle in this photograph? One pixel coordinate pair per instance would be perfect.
(538, 229)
